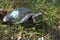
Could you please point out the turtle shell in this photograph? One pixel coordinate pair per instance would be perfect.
(19, 14)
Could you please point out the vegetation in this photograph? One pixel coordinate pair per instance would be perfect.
(49, 24)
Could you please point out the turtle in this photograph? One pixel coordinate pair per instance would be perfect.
(21, 15)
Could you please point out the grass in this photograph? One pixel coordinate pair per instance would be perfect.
(50, 9)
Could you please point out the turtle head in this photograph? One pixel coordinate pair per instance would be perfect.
(37, 17)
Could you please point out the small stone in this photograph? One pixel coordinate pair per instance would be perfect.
(11, 37)
(59, 26)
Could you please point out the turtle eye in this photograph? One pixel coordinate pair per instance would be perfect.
(35, 17)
